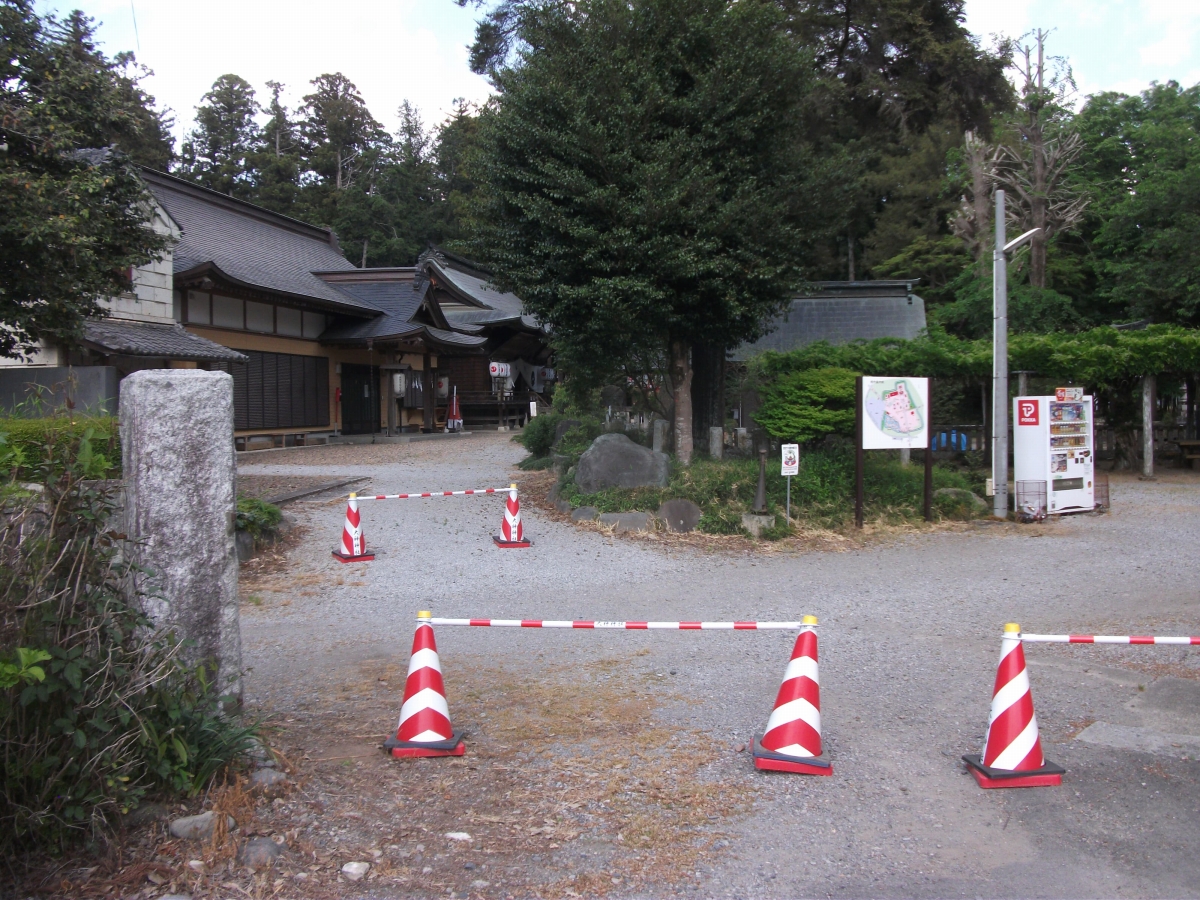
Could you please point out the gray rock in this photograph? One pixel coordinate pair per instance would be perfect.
(614, 460)
(198, 828)
(355, 870)
(267, 778)
(178, 464)
(716, 442)
(659, 439)
(259, 852)
(585, 514)
(562, 428)
(244, 541)
(680, 515)
(968, 501)
(145, 814)
(756, 524)
(175, 897)
(628, 521)
(563, 506)
(552, 494)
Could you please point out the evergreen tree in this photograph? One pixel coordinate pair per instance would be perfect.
(340, 136)
(75, 209)
(276, 162)
(218, 152)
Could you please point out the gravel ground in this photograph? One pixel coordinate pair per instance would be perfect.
(909, 638)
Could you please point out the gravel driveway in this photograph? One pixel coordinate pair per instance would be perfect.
(909, 638)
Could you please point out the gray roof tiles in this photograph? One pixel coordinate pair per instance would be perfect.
(125, 338)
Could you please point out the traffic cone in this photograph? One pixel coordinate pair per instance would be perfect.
(354, 543)
(424, 728)
(511, 532)
(1012, 754)
(792, 742)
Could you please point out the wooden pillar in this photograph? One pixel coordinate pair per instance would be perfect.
(390, 392)
(1148, 402)
(427, 395)
(1022, 384)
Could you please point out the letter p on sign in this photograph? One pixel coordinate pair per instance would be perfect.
(1027, 412)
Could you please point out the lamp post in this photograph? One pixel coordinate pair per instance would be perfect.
(1000, 358)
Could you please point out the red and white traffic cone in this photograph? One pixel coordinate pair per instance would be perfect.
(424, 728)
(511, 532)
(354, 543)
(1012, 754)
(792, 742)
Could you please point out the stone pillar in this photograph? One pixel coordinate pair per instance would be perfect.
(716, 442)
(660, 435)
(1148, 399)
(180, 494)
(906, 454)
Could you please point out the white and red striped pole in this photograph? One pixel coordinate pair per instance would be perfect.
(623, 625)
(1012, 754)
(511, 532)
(1135, 639)
(792, 740)
(427, 494)
(354, 542)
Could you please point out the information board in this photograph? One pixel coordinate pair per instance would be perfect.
(895, 413)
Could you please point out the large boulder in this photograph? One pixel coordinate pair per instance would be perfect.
(614, 460)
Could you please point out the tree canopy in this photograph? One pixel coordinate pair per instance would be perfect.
(76, 214)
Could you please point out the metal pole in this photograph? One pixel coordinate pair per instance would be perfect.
(928, 498)
(789, 498)
(1000, 366)
(858, 452)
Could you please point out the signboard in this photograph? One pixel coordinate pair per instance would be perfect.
(1068, 393)
(1027, 412)
(791, 459)
(499, 369)
(895, 413)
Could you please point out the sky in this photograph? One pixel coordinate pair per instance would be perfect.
(416, 50)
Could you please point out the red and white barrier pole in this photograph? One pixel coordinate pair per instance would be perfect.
(1105, 639)
(428, 494)
(586, 624)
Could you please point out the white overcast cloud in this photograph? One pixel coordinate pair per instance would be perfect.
(417, 49)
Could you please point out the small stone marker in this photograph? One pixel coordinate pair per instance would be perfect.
(716, 442)
(660, 435)
(178, 459)
(680, 516)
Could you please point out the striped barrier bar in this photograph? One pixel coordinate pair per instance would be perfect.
(1105, 639)
(422, 496)
(619, 626)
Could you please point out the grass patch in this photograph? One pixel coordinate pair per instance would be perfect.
(822, 492)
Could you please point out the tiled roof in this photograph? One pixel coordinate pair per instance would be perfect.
(250, 245)
(496, 307)
(841, 312)
(399, 301)
(145, 339)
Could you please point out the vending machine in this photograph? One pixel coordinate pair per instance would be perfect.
(1053, 443)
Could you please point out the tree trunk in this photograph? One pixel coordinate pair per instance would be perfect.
(1037, 140)
(708, 390)
(850, 255)
(979, 187)
(681, 375)
(338, 177)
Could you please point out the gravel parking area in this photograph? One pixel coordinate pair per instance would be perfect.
(608, 762)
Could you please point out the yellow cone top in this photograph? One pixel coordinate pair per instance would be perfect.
(809, 620)
(353, 495)
(512, 487)
(1012, 627)
(424, 614)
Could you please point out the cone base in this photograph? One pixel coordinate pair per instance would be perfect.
(501, 542)
(452, 746)
(770, 761)
(1049, 775)
(342, 557)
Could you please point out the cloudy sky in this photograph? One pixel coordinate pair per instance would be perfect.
(416, 49)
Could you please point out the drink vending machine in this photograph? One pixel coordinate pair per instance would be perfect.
(1053, 443)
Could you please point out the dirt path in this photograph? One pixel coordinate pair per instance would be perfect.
(608, 762)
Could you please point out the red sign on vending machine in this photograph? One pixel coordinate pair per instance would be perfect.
(1027, 412)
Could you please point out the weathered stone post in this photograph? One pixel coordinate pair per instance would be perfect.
(716, 442)
(180, 496)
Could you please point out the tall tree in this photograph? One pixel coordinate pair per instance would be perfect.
(1035, 169)
(1142, 166)
(338, 130)
(276, 162)
(218, 151)
(644, 185)
(76, 213)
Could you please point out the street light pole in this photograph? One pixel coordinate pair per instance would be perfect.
(1000, 367)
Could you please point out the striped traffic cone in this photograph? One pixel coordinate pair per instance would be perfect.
(792, 742)
(354, 543)
(511, 532)
(424, 728)
(1012, 754)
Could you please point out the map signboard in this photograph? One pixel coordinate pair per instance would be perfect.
(895, 413)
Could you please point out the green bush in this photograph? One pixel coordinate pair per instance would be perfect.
(538, 434)
(96, 708)
(807, 405)
(90, 444)
(257, 516)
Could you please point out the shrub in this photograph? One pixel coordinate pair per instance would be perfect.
(96, 708)
(809, 404)
(538, 434)
(257, 516)
(89, 443)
